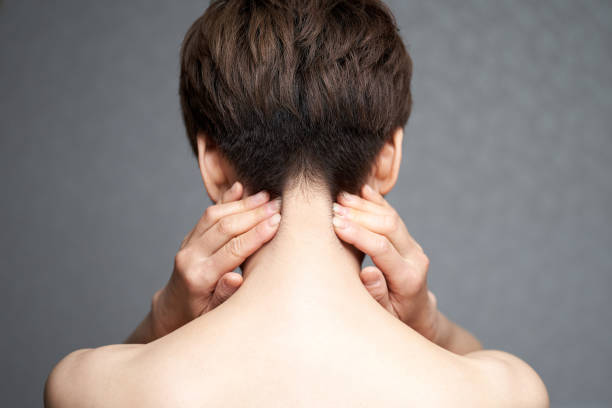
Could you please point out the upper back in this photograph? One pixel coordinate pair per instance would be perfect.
(322, 361)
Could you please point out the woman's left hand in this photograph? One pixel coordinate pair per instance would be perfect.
(399, 283)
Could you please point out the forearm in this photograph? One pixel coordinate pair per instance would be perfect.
(144, 333)
(455, 338)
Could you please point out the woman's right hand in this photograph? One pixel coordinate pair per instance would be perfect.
(203, 278)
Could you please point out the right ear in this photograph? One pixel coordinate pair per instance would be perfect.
(217, 174)
(386, 167)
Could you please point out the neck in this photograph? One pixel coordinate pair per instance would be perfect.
(305, 257)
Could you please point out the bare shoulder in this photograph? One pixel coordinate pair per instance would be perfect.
(87, 376)
(510, 381)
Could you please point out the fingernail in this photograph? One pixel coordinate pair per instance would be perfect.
(232, 282)
(234, 187)
(338, 222)
(260, 197)
(346, 196)
(338, 209)
(369, 189)
(274, 205)
(274, 220)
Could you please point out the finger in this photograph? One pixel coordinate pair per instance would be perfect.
(234, 253)
(369, 193)
(374, 281)
(233, 225)
(226, 287)
(370, 275)
(217, 211)
(233, 193)
(399, 274)
(353, 201)
(388, 224)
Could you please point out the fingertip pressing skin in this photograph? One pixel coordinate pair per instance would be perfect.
(339, 223)
(376, 205)
(340, 209)
(274, 220)
(370, 276)
(233, 279)
(369, 193)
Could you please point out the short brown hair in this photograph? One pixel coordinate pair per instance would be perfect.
(288, 88)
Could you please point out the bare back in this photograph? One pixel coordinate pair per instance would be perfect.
(305, 354)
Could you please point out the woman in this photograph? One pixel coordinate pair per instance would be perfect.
(304, 100)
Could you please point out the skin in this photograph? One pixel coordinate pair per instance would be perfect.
(307, 325)
(203, 276)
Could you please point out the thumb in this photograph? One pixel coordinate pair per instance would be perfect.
(374, 281)
(227, 285)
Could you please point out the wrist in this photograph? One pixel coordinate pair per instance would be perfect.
(434, 321)
(440, 336)
(155, 316)
(143, 333)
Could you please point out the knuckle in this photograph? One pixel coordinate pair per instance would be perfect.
(378, 295)
(196, 275)
(221, 287)
(419, 262)
(235, 247)
(224, 290)
(226, 226)
(390, 222)
(424, 260)
(262, 212)
(396, 218)
(412, 286)
(382, 246)
(433, 299)
(261, 231)
(244, 205)
(210, 214)
(191, 281)
(413, 275)
(182, 260)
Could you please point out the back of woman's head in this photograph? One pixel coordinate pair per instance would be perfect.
(307, 89)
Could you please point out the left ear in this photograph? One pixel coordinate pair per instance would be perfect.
(217, 174)
(386, 167)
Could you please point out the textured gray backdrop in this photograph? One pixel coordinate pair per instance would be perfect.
(506, 178)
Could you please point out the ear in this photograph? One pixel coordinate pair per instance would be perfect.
(217, 174)
(386, 167)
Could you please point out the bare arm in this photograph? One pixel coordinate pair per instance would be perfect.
(203, 277)
(508, 380)
(144, 332)
(86, 377)
(453, 337)
(185, 298)
(399, 280)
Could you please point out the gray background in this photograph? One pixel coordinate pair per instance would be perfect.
(506, 178)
